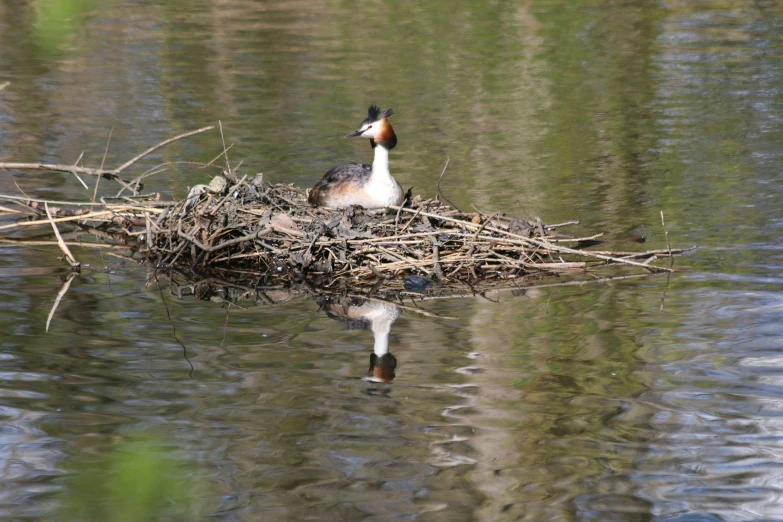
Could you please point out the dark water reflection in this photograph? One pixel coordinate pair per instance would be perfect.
(604, 402)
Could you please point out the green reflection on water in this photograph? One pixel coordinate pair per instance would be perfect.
(58, 21)
(134, 480)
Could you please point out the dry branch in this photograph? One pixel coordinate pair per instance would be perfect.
(66, 251)
(112, 174)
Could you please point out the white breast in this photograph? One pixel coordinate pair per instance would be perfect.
(382, 189)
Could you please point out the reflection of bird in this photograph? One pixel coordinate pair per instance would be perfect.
(371, 186)
(378, 318)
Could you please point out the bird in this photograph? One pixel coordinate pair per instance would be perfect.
(377, 317)
(369, 186)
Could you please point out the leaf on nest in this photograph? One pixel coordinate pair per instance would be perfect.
(283, 223)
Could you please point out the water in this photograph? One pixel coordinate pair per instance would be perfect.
(640, 400)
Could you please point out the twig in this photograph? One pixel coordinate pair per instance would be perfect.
(36, 242)
(80, 217)
(671, 265)
(437, 187)
(103, 161)
(171, 322)
(75, 265)
(249, 237)
(148, 223)
(157, 169)
(20, 189)
(10, 210)
(63, 290)
(564, 224)
(108, 174)
(50, 201)
(228, 173)
(397, 217)
(436, 258)
(225, 151)
(158, 146)
(531, 241)
(77, 176)
(553, 239)
(666, 235)
(409, 221)
(478, 231)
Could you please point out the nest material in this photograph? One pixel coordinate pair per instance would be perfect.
(272, 230)
(250, 234)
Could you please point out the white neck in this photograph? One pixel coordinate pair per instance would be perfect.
(381, 333)
(382, 187)
(380, 164)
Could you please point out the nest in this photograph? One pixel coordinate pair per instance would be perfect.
(246, 233)
(272, 230)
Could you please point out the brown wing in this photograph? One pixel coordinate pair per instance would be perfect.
(338, 181)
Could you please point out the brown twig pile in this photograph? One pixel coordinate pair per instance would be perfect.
(250, 230)
(272, 230)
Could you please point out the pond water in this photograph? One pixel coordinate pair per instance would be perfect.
(649, 399)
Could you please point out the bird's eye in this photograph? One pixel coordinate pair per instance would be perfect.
(369, 126)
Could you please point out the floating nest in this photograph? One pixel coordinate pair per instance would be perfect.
(247, 234)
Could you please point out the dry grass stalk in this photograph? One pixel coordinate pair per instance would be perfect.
(66, 251)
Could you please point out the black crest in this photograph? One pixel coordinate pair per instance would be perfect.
(374, 114)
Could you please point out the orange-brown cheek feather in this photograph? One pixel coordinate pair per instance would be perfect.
(386, 132)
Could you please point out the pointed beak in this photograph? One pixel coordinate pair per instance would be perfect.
(352, 134)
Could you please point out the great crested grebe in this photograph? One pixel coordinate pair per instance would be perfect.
(371, 186)
(377, 317)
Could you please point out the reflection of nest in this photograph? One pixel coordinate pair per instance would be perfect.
(250, 234)
(235, 290)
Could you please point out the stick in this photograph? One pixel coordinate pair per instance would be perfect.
(437, 187)
(103, 161)
(157, 169)
(487, 221)
(564, 224)
(531, 241)
(80, 217)
(436, 257)
(225, 150)
(77, 176)
(60, 294)
(36, 242)
(409, 222)
(666, 235)
(108, 174)
(148, 222)
(159, 145)
(75, 265)
(10, 210)
(224, 244)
